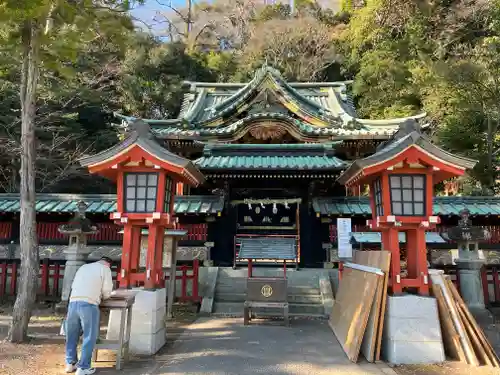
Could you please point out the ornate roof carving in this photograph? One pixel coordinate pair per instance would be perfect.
(319, 110)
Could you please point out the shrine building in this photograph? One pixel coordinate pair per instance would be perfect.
(271, 153)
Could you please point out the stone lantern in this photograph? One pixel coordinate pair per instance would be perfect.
(78, 229)
(469, 263)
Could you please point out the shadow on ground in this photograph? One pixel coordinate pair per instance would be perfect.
(213, 346)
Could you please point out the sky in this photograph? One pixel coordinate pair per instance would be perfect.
(147, 11)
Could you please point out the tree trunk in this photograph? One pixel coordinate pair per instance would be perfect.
(491, 132)
(189, 18)
(27, 287)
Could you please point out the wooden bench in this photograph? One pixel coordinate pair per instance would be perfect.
(254, 304)
(121, 345)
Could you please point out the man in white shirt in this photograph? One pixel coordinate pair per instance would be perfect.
(92, 283)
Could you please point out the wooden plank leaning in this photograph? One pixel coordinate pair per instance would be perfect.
(372, 339)
(351, 311)
(438, 279)
(492, 358)
(451, 338)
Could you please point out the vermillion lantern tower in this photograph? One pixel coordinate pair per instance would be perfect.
(146, 175)
(401, 176)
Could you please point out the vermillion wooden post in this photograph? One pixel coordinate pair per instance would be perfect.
(127, 250)
(151, 267)
(159, 251)
(390, 242)
(421, 261)
(135, 255)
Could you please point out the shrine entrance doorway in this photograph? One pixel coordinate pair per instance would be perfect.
(270, 226)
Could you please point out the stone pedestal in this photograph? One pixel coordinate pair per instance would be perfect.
(76, 254)
(471, 286)
(148, 333)
(412, 334)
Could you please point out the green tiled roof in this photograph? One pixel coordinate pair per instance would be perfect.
(220, 105)
(106, 203)
(375, 237)
(268, 156)
(442, 205)
(269, 162)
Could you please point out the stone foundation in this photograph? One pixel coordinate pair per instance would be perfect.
(412, 334)
(148, 333)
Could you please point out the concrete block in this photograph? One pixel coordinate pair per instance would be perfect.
(151, 299)
(413, 352)
(411, 306)
(147, 344)
(412, 329)
(147, 334)
(412, 333)
(149, 323)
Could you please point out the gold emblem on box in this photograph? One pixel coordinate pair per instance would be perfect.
(266, 291)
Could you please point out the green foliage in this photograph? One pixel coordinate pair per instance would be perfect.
(152, 78)
(440, 57)
(405, 57)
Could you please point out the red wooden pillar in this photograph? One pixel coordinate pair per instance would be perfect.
(154, 256)
(159, 251)
(124, 278)
(390, 242)
(3, 278)
(421, 261)
(135, 254)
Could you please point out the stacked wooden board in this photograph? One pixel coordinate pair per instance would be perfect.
(463, 339)
(357, 318)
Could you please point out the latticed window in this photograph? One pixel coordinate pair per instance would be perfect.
(377, 190)
(169, 185)
(408, 195)
(140, 192)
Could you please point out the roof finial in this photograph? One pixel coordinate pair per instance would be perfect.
(141, 128)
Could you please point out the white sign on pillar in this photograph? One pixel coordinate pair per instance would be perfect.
(344, 229)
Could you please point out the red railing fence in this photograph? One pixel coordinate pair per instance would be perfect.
(491, 284)
(52, 274)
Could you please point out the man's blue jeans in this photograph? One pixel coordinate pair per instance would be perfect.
(82, 316)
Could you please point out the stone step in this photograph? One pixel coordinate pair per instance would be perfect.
(230, 297)
(242, 286)
(303, 290)
(228, 309)
(236, 309)
(225, 280)
(306, 309)
(234, 296)
(305, 298)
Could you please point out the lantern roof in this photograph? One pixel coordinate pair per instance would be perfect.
(410, 146)
(79, 224)
(140, 146)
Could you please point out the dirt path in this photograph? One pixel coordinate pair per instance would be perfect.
(44, 353)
